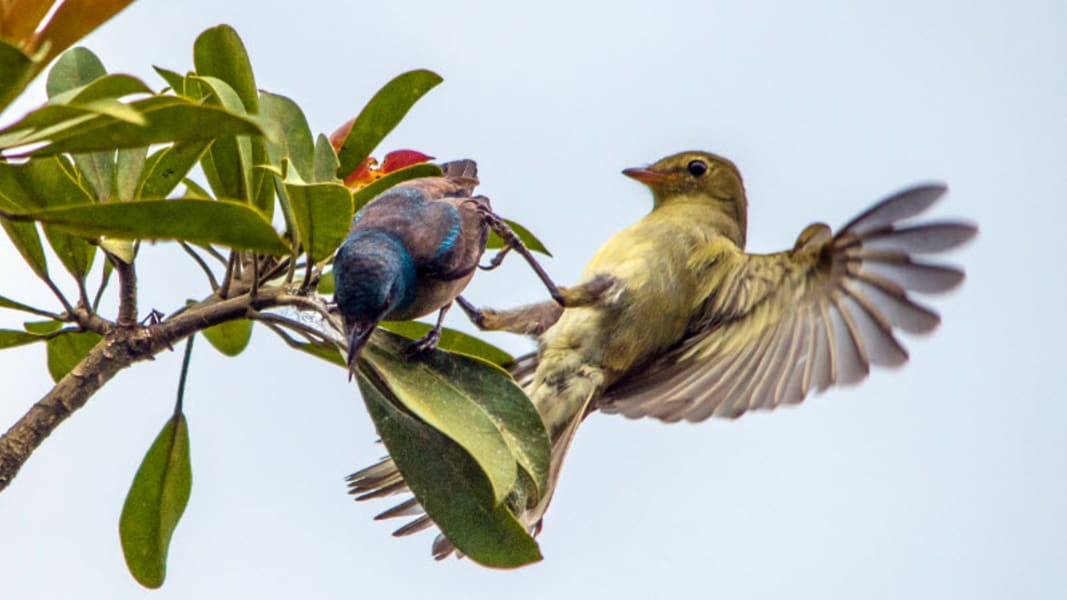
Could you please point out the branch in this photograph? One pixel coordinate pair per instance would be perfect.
(127, 293)
(120, 348)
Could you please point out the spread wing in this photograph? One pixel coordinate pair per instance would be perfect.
(775, 327)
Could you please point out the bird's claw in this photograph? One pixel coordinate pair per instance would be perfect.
(424, 345)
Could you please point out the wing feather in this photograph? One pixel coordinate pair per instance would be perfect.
(783, 325)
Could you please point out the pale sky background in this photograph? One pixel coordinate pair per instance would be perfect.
(945, 479)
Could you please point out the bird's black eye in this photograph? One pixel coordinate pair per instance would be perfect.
(697, 168)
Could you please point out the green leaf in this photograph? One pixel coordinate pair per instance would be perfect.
(9, 338)
(329, 353)
(528, 239)
(228, 164)
(381, 115)
(200, 221)
(16, 71)
(155, 503)
(325, 161)
(75, 68)
(65, 351)
(14, 197)
(42, 327)
(326, 284)
(323, 213)
(448, 483)
(296, 143)
(218, 52)
(230, 337)
(167, 118)
(98, 168)
(26, 240)
(365, 195)
(167, 167)
(107, 87)
(13, 305)
(51, 182)
(129, 165)
(451, 340)
(474, 403)
(124, 250)
(175, 80)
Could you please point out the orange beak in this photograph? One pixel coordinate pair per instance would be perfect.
(644, 175)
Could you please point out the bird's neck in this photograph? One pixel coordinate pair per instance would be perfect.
(727, 217)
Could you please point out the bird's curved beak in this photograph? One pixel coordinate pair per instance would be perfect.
(644, 175)
(358, 335)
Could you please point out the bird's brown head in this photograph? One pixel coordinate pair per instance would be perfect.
(696, 176)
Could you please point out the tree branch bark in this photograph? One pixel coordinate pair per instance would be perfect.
(120, 348)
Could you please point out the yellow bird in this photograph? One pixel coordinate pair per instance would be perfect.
(686, 325)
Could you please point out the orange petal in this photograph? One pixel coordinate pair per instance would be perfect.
(398, 159)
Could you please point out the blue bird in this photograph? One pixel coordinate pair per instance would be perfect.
(412, 250)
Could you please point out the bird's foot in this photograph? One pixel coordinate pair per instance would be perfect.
(584, 294)
(424, 345)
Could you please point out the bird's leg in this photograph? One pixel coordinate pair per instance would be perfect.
(497, 259)
(532, 319)
(511, 240)
(428, 342)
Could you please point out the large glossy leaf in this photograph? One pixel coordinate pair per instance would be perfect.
(42, 327)
(15, 305)
(155, 503)
(451, 340)
(167, 118)
(474, 403)
(168, 166)
(365, 195)
(448, 483)
(381, 115)
(129, 165)
(230, 337)
(24, 236)
(49, 182)
(65, 351)
(219, 52)
(296, 142)
(323, 212)
(228, 164)
(9, 338)
(528, 239)
(201, 221)
(76, 68)
(325, 161)
(16, 70)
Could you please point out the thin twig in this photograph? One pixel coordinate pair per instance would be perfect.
(184, 375)
(62, 299)
(307, 275)
(227, 278)
(309, 333)
(203, 266)
(254, 288)
(214, 254)
(105, 278)
(276, 270)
